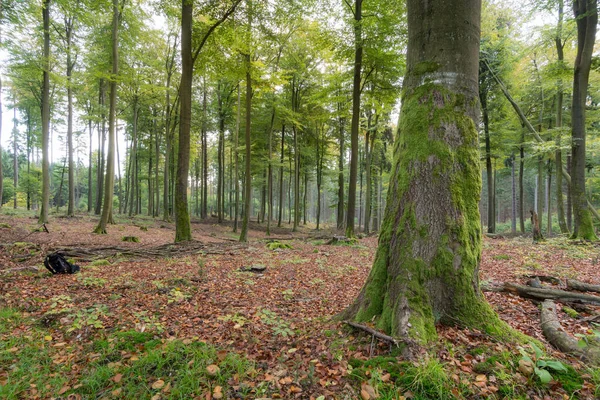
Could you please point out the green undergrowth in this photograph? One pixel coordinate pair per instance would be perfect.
(118, 364)
(432, 378)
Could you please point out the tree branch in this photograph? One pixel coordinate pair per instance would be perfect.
(212, 28)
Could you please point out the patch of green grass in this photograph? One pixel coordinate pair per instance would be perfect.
(426, 380)
(502, 257)
(180, 365)
(33, 370)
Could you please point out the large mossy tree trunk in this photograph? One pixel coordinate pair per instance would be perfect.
(183, 230)
(426, 267)
(586, 16)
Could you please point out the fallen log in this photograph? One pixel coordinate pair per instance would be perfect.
(573, 284)
(540, 294)
(554, 332)
(563, 341)
(373, 332)
(545, 278)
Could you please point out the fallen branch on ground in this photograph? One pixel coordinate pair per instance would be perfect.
(542, 294)
(162, 251)
(560, 339)
(573, 284)
(554, 332)
(373, 332)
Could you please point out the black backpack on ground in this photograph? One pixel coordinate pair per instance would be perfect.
(58, 264)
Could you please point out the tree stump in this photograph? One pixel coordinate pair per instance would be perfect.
(535, 226)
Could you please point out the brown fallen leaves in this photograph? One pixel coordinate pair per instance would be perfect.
(302, 287)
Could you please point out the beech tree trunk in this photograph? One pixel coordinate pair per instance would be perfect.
(560, 208)
(281, 159)
(183, 231)
(426, 266)
(101, 142)
(340, 204)
(45, 116)
(358, 54)
(586, 16)
(1, 173)
(248, 176)
(70, 65)
(106, 216)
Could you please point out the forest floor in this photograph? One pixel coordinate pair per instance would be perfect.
(196, 324)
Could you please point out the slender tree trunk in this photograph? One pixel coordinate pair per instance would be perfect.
(586, 16)
(340, 204)
(368, 177)
(431, 227)
(560, 208)
(106, 216)
(270, 174)
(549, 199)
(1, 173)
(204, 152)
(133, 159)
(101, 141)
(569, 198)
(29, 133)
(513, 178)
(220, 156)
(90, 191)
(16, 156)
(183, 230)
(539, 190)
(118, 167)
(491, 221)
(236, 177)
(45, 116)
(281, 159)
(358, 53)
(521, 187)
(70, 64)
(248, 143)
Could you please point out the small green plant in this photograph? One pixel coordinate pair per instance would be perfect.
(278, 245)
(146, 322)
(502, 257)
(101, 262)
(91, 281)
(278, 325)
(238, 319)
(540, 364)
(177, 296)
(201, 268)
(288, 294)
(131, 239)
(317, 281)
(89, 317)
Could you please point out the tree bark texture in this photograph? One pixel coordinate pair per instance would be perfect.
(45, 116)
(355, 125)
(586, 16)
(183, 230)
(427, 261)
(106, 216)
